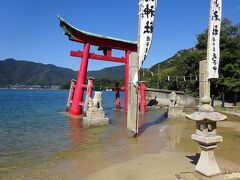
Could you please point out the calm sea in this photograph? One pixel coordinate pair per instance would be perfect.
(34, 129)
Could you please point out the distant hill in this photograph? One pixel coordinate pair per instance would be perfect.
(112, 73)
(30, 73)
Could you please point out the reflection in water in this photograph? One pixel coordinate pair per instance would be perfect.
(144, 124)
(175, 139)
(97, 147)
(75, 131)
(175, 134)
(179, 132)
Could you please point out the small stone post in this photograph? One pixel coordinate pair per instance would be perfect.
(132, 113)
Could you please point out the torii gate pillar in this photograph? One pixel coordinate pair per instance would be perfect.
(126, 80)
(76, 107)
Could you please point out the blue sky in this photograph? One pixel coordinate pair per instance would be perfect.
(30, 28)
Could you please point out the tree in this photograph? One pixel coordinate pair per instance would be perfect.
(186, 63)
(229, 70)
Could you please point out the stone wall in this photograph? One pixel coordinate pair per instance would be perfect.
(163, 99)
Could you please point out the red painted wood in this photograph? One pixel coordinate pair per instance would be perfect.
(76, 107)
(98, 57)
(80, 36)
(106, 44)
(127, 54)
(106, 58)
(98, 41)
(142, 97)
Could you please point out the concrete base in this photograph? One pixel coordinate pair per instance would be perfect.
(87, 122)
(95, 114)
(207, 164)
(132, 134)
(95, 118)
(176, 112)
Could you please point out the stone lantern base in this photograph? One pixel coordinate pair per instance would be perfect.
(207, 164)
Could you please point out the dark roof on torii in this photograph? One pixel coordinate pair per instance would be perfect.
(81, 36)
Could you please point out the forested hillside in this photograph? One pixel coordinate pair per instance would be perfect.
(184, 65)
(30, 73)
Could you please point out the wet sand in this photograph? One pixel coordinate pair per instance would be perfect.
(178, 159)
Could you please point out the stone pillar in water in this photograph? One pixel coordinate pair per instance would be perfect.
(132, 113)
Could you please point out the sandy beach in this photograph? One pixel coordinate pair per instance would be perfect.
(178, 159)
(166, 165)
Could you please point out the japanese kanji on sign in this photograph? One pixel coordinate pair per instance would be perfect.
(147, 10)
(146, 18)
(214, 38)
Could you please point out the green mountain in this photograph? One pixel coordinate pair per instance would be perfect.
(31, 73)
(112, 73)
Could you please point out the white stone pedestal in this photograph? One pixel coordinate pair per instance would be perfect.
(207, 138)
(176, 111)
(207, 164)
(95, 118)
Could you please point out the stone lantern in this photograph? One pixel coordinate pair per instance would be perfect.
(206, 136)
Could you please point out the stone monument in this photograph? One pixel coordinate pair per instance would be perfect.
(206, 131)
(175, 110)
(95, 114)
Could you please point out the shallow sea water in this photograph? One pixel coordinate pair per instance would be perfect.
(36, 134)
(39, 141)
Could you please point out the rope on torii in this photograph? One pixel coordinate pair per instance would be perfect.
(190, 77)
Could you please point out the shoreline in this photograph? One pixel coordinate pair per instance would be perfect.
(177, 161)
(163, 151)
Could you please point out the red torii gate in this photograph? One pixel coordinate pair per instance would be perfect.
(105, 44)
